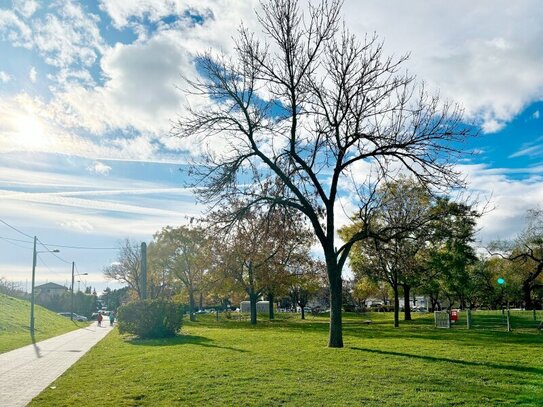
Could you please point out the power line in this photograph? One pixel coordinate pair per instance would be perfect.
(54, 254)
(82, 247)
(15, 240)
(51, 244)
(15, 229)
(49, 268)
(15, 244)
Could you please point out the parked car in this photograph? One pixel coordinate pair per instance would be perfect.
(77, 317)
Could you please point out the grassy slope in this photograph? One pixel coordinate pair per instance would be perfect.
(14, 322)
(287, 363)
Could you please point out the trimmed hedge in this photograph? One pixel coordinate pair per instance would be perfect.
(151, 318)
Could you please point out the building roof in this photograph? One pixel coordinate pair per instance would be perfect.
(51, 286)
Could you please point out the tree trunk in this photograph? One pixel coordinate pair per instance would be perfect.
(252, 299)
(335, 339)
(527, 294)
(406, 305)
(191, 306)
(270, 301)
(396, 306)
(462, 302)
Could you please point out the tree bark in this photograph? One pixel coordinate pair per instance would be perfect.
(396, 306)
(191, 305)
(527, 294)
(270, 301)
(406, 305)
(252, 300)
(335, 339)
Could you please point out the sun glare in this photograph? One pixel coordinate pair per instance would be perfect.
(30, 133)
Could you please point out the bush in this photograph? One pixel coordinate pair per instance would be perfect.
(150, 318)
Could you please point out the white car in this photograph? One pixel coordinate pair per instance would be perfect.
(77, 317)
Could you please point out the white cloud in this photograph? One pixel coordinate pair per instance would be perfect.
(492, 125)
(139, 93)
(483, 54)
(78, 225)
(528, 151)
(532, 149)
(14, 30)
(510, 198)
(30, 124)
(121, 11)
(4, 77)
(25, 7)
(99, 168)
(33, 74)
(69, 37)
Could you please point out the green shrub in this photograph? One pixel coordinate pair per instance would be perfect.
(150, 318)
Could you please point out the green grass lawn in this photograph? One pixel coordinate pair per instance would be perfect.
(286, 362)
(15, 321)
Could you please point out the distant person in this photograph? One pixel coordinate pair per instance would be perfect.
(111, 318)
(99, 319)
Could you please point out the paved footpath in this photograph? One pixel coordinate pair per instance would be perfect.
(26, 371)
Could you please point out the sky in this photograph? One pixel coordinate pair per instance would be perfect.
(89, 90)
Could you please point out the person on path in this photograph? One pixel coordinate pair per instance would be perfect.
(111, 318)
(99, 318)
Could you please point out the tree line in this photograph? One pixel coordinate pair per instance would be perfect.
(424, 246)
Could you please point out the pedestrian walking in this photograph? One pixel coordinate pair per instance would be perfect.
(99, 319)
(111, 318)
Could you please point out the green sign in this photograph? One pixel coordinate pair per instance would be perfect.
(501, 281)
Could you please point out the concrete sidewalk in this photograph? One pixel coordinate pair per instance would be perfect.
(26, 371)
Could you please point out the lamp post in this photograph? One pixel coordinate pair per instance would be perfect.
(34, 257)
(72, 294)
(501, 282)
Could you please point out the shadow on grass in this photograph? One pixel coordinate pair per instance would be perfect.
(463, 336)
(521, 369)
(181, 340)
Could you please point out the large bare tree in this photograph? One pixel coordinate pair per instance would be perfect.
(302, 112)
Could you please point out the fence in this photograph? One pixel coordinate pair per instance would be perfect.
(496, 320)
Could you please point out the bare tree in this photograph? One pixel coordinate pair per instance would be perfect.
(526, 251)
(333, 104)
(127, 268)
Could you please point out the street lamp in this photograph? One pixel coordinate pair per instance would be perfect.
(501, 282)
(72, 294)
(34, 257)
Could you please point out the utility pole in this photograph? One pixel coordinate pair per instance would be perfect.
(72, 294)
(34, 254)
(143, 280)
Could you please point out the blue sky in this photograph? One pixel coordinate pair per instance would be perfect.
(88, 91)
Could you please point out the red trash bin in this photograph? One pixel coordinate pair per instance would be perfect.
(454, 315)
